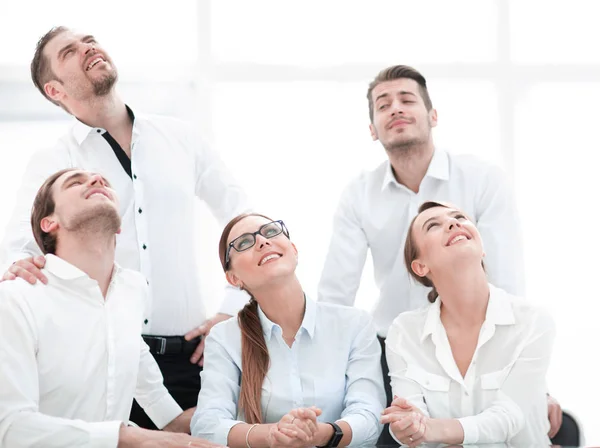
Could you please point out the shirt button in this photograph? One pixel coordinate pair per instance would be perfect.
(134, 176)
(140, 210)
(146, 321)
(99, 131)
(144, 246)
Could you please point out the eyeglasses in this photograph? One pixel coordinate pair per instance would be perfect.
(248, 240)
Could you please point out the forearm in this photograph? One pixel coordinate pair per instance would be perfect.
(258, 437)
(325, 432)
(442, 430)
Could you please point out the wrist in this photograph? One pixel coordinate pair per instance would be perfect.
(129, 436)
(324, 434)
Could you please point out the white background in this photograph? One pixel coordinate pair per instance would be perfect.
(279, 90)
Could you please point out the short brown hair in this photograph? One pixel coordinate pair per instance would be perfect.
(41, 72)
(399, 72)
(43, 205)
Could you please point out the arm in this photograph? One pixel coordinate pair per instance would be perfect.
(365, 395)
(21, 423)
(346, 256)
(151, 393)
(500, 230)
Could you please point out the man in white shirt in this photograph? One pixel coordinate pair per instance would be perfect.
(376, 209)
(73, 357)
(158, 166)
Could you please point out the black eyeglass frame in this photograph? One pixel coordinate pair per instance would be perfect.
(284, 230)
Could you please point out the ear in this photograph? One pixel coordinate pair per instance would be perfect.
(373, 132)
(295, 250)
(119, 231)
(433, 118)
(49, 224)
(233, 280)
(54, 90)
(419, 268)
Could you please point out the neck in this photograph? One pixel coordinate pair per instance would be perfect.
(283, 304)
(107, 112)
(464, 292)
(94, 254)
(410, 163)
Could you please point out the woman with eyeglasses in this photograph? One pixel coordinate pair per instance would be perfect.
(470, 367)
(288, 371)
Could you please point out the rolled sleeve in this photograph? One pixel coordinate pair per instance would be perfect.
(164, 411)
(471, 429)
(104, 434)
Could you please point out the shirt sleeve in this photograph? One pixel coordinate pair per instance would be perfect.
(521, 389)
(499, 226)
(18, 240)
(365, 395)
(150, 392)
(347, 254)
(216, 185)
(216, 412)
(21, 422)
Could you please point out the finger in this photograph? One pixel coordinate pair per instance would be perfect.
(403, 423)
(401, 403)
(23, 273)
(391, 418)
(395, 409)
(303, 426)
(32, 267)
(555, 422)
(295, 434)
(198, 352)
(39, 261)
(193, 333)
(280, 437)
(8, 276)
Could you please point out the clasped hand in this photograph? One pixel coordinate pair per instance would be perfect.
(298, 428)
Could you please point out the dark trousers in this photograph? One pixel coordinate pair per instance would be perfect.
(386, 438)
(182, 380)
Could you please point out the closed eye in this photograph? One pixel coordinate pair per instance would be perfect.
(432, 224)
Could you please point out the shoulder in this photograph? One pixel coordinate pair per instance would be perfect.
(347, 314)
(527, 315)
(165, 123)
(368, 178)
(409, 323)
(471, 166)
(226, 332)
(21, 295)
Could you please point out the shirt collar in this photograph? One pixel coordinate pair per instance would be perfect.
(66, 271)
(439, 168)
(308, 322)
(499, 312)
(81, 130)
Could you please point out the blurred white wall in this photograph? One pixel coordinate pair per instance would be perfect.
(279, 90)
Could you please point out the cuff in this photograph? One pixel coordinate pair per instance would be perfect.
(364, 431)
(104, 434)
(233, 301)
(164, 411)
(470, 429)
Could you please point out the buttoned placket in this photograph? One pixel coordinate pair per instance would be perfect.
(292, 361)
(140, 214)
(111, 397)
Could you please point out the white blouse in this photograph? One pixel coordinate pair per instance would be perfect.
(502, 397)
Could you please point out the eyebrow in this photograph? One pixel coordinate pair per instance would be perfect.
(67, 47)
(402, 92)
(80, 175)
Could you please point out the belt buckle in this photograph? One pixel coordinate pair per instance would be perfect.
(163, 345)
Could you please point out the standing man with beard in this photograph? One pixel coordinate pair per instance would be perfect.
(376, 209)
(158, 167)
(72, 358)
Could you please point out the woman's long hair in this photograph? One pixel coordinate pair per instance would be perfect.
(255, 355)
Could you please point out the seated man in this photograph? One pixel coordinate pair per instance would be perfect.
(72, 358)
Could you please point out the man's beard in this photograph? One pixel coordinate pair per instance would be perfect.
(408, 146)
(101, 220)
(102, 87)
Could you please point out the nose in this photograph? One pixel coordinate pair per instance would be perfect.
(453, 223)
(96, 179)
(397, 108)
(90, 47)
(261, 241)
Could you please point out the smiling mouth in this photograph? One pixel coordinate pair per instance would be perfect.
(268, 258)
(457, 239)
(94, 62)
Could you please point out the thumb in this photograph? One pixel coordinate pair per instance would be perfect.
(39, 261)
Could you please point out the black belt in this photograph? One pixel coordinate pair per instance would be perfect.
(171, 345)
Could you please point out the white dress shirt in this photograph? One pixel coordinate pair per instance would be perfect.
(72, 362)
(375, 211)
(170, 168)
(333, 364)
(502, 397)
